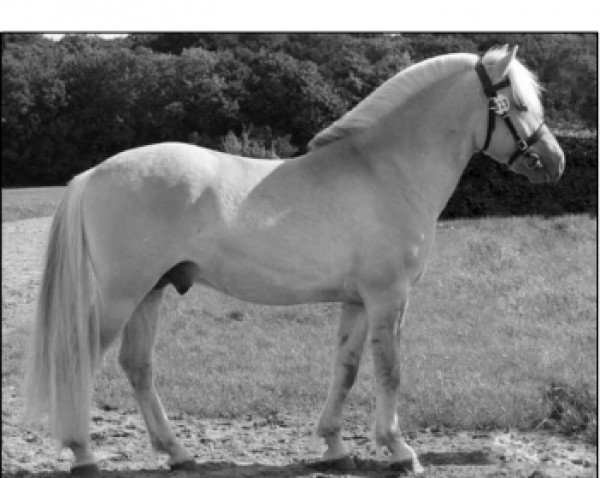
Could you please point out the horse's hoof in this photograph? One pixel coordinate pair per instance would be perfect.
(345, 463)
(90, 470)
(187, 465)
(406, 466)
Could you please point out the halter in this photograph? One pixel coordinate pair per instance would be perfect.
(499, 105)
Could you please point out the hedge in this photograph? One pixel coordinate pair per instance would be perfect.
(488, 189)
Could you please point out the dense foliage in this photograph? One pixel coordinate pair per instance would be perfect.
(488, 189)
(70, 104)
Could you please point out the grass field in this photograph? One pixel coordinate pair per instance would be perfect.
(501, 332)
(26, 203)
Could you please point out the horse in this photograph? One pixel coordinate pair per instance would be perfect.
(351, 221)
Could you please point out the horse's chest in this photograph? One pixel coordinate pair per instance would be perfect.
(396, 256)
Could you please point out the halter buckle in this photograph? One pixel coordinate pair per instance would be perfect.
(522, 145)
(499, 104)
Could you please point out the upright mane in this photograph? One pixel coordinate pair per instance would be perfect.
(397, 90)
(524, 84)
(391, 95)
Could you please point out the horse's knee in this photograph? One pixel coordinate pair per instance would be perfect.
(387, 372)
(386, 361)
(384, 334)
(139, 372)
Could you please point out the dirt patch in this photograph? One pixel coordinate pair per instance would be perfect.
(285, 446)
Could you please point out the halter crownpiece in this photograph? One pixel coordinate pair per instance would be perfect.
(499, 105)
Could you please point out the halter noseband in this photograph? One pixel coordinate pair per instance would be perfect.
(499, 105)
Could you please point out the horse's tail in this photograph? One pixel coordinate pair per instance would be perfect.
(65, 348)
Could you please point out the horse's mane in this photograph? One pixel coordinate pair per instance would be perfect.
(398, 89)
(524, 84)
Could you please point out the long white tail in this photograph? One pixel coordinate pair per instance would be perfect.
(65, 348)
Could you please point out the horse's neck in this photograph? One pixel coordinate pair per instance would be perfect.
(425, 146)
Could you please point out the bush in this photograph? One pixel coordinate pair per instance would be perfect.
(488, 189)
(261, 145)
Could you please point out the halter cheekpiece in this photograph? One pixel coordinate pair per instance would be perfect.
(499, 105)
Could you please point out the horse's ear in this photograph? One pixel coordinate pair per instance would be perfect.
(504, 63)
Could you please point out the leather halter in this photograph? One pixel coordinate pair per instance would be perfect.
(499, 106)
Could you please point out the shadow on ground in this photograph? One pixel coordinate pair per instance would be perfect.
(222, 469)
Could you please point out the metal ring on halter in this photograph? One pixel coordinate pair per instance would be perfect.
(535, 164)
(499, 104)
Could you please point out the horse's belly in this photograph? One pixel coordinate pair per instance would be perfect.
(272, 287)
(268, 274)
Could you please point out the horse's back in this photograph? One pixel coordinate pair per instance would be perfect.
(170, 163)
(165, 177)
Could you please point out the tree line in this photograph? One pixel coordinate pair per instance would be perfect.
(68, 105)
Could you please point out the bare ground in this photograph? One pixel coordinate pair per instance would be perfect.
(282, 446)
(285, 446)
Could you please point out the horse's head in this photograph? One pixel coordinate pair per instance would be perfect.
(514, 132)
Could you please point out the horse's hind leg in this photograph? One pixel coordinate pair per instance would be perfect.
(136, 359)
(114, 314)
(350, 343)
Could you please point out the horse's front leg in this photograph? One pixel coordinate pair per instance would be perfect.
(352, 332)
(385, 311)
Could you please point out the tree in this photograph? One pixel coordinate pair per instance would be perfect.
(33, 99)
(289, 95)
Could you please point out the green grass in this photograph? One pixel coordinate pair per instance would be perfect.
(501, 332)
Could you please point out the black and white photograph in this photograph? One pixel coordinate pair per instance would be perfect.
(318, 254)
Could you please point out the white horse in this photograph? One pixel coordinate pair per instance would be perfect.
(352, 221)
